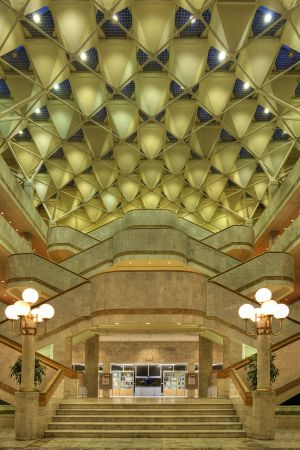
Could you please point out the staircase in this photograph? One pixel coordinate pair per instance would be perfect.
(147, 419)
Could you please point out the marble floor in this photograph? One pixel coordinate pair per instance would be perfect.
(285, 440)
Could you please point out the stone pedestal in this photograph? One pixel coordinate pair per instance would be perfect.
(263, 414)
(27, 415)
(92, 366)
(28, 362)
(205, 365)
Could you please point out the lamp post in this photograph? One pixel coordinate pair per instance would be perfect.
(264, 320)
(30, 323)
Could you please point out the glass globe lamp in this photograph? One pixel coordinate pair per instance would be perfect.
(268, 308)
(22, 308)
(282, 311)
(11, 312)
(30, 295)
(263, 295)
(46, 311)
(246, 311)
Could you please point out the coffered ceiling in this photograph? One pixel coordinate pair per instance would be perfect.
(189, 105)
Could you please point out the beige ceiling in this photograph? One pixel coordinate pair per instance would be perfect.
(152, 118)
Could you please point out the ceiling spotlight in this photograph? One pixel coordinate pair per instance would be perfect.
(222, 56)
(246, 86)
(36, 18)
(193, 19)
(83, 56)
(115, 17)
(268, 17)
(37, 111)
(56, 86)
(266, 110)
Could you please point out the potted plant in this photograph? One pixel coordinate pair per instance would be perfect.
(16, 371)
(251, 371)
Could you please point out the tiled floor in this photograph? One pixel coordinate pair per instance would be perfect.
(285, 440)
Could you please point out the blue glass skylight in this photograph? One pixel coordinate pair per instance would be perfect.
(111, 28)
(132, 137)
(244, 153)
(160, 116)
(143, 116)
(91, 61)
(203, 115)
(128, 90)
(171, 137)
(46, 23)
(77, 137)
(23, 135)
(100, 116)
(280, 135)
(164, 56)
(213, 60)
(261, 115)
(226, 137)
(99, 16)
(63, 89)
(58, 154)
(286, 58)
(192, 28)
(239, 90)
(141, 56)
(175, 88)
(297, 90)
(18, 58)
(4, 91)
(259, 23)
(40, 114)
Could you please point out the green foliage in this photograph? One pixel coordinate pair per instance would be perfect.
(16, 371)
(251, 370)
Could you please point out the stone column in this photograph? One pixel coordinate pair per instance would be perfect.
(27, 400)
(205, 365)
(29, 189)
(232, 353)
(263, 409)
(91, 365)
(70, 385)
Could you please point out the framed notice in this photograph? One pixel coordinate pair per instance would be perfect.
(105, 381)
(191, 381)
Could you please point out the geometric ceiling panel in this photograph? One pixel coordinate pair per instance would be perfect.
(190, 106)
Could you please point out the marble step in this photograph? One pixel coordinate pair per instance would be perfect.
(145, 426)
(145, 433)
(146, 412)
(147, 406)
(145, 418)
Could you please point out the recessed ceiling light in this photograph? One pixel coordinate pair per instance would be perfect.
(83, 56)
(36, 18)
(149, 262)
(292, 220)
(37, 111)
(9, 221)
(246, 86)
(116, 323)
(21, 132)
(178, 323)
(268, 17)
(56, 86)
(222, 55)
(115, 17)
(193, 19)
(17, 229)
(169, 262)
(2, 281)
(147, 323)
(130, 262)
(266, 110)
(2, 213)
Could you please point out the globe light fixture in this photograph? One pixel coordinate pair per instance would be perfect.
(264, 316)
(29, 318)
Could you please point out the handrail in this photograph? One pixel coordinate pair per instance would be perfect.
(6, 388)
(224, 373)
(241, 387)
(70, 373)
(288, 386)
(51, 387)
